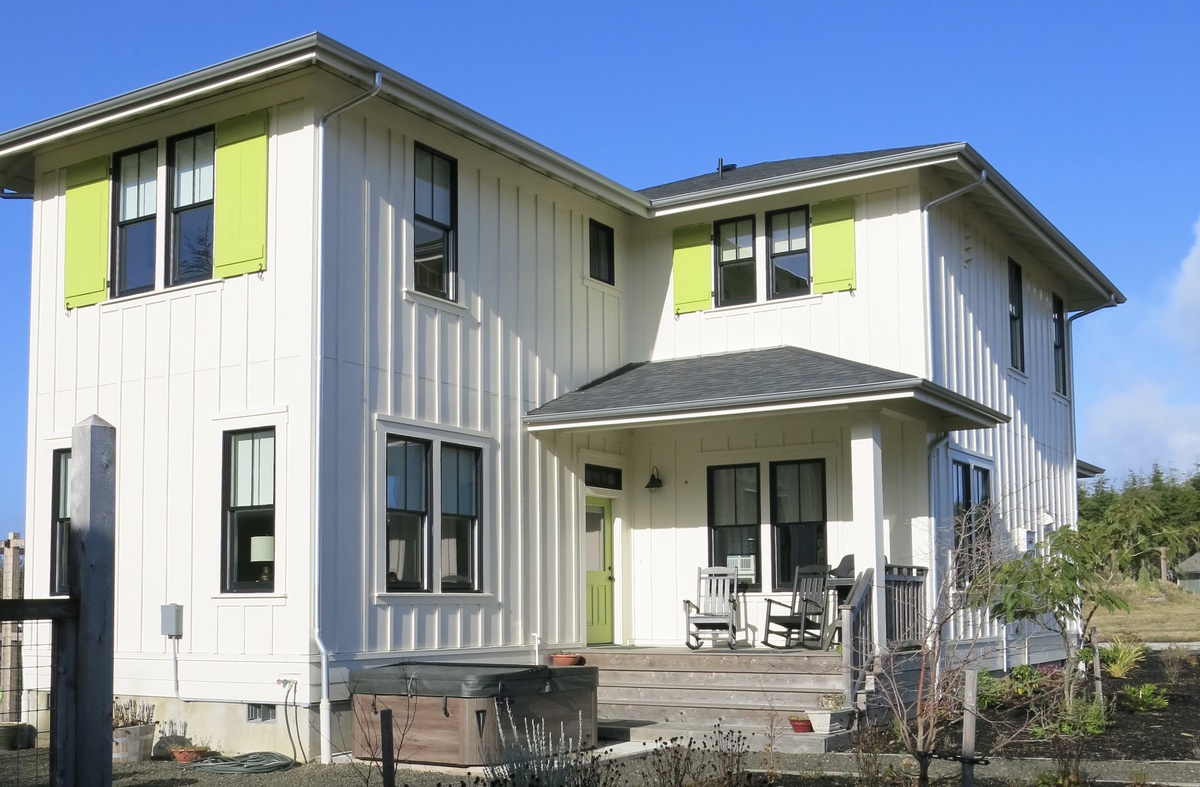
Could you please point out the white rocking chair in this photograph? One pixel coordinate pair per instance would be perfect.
(716, 610)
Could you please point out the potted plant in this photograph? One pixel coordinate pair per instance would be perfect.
(133, 730)
(184, 753)
(800, 722)
(564, 659)
(832, 716)
(182, 748)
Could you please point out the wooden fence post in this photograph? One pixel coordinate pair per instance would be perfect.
(970, 692)
(82, 719)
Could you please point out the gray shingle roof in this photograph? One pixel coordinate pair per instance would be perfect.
(770, 169)
(775, 374)
(1189, 566)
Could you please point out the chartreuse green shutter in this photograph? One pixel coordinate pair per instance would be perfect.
(691, 266)
(240, 196)
(833, 246)
(85, 271)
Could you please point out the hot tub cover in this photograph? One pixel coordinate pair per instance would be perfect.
(435, 679)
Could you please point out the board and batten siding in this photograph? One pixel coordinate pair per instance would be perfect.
(1032, 456)
(881, 322)
(172, 370)
(528, 324)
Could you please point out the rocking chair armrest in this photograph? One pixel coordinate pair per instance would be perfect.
(688, 603)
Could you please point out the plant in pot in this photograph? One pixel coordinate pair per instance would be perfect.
(832, 716)
(183, 748)
(800, 722)
(133, 730)
(564, 659)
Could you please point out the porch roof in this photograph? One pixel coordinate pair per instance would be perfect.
(752, 382)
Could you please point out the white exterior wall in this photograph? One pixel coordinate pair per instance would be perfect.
(172, 370)
(528, 324)
(880, 323)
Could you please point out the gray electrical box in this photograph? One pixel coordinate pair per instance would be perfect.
(172, 621)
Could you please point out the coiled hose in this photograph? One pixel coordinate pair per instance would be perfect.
(254, 762)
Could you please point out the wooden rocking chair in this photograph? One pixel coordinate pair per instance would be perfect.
(716, 609)
(803, 620)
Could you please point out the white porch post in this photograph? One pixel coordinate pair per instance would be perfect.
(866, 479)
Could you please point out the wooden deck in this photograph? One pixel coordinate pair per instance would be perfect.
(646, 693)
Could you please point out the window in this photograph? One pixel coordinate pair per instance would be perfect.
(735, 261)
(600, 246)
(435, 204)
(972, 520)
(1016, 318)
(260, 712)
(137, 211)
(60, 531)
(787, 252)
(797, 517)
(733, 519)
(192, 165)
(249, 536)
(412, 528)
(602, 477)
(1060, 346)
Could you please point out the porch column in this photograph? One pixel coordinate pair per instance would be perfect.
(866, 479)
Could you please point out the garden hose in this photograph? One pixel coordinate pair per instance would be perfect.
(254, 762)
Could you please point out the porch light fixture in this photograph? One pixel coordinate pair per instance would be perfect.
(262, 550)
(655, 483)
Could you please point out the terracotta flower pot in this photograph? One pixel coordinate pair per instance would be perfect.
(185, 756)
(801, 725)
(564, 659)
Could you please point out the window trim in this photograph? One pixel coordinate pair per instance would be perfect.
(230, 585)
(450, 264)
(596, 271)
(710, 470)
(781, 579)
(771, 290)
(1016, 316)
(719, 266)
(483, 539)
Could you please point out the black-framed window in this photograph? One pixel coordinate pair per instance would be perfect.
(972, 492)
(600, 252)
(798, 517)
(1060, 345)
(136, 220)
(435, 210)
(1016, 317)
(602, 477)
(733, 521)
(789, 272)
(249, 534)
(735, 261)
(191, 159)
(60, 526)
(429, 535)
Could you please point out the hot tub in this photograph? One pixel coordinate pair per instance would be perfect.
(446, 714)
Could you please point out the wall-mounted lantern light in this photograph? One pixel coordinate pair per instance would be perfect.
(655, 483)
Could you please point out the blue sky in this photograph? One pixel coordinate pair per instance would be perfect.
(1090, 109)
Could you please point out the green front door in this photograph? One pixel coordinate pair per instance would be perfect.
(598, 563)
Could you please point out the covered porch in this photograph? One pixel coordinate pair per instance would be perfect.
(767, 460)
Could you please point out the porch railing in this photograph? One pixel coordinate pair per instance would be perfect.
(904, 597)
(858, 635)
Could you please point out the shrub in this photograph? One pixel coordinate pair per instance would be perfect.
(1023, 681)
(1143, 698)
(992, 692)
(1174, 660)
(1121, 656)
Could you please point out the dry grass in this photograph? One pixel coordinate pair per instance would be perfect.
(1158, 612)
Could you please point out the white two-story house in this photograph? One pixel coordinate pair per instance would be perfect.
(390, 380)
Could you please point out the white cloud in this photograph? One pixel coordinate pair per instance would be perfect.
(1181, 318)
(1136, 427)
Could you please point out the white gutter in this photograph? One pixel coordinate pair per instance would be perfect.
(928, 253)
(326, 723)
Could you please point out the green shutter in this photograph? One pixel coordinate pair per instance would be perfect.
(692, 267)
(833, 246)
(85, 271)
(240, 198)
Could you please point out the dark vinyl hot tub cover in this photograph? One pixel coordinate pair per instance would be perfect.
(433, 679)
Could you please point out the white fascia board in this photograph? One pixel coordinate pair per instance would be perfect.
(786, 184)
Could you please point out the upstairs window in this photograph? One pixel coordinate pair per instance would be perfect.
(1016, 318)
(436, 206)
(972, 520)
(136, 221)
(249, 534)
(1060, 346)
(735, 261)
(600, 252)
(192, 168)
(787, 249)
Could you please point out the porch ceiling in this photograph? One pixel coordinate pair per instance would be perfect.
(754, 382)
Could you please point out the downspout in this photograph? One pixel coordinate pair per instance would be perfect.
(934, 575)
(326, 721)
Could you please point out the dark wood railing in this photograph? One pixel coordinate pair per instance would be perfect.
(858, 635)
(904, 594)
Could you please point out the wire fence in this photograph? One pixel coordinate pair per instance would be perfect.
(26, 705)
